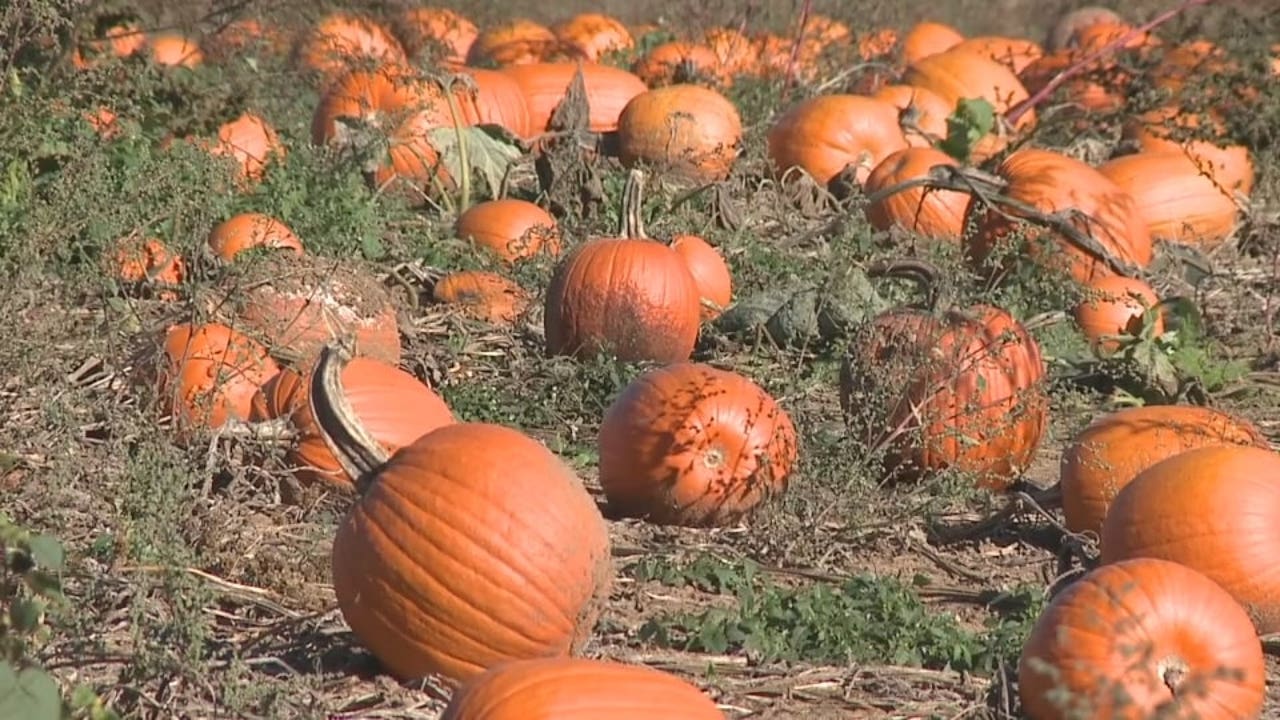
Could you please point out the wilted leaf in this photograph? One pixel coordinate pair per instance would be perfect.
(489, 149)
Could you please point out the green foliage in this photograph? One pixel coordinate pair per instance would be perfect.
(972, 120)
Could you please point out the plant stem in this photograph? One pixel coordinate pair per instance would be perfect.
(805, 10)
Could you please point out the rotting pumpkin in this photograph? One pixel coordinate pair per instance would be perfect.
(208, 375)
(441, 593)
(686, 130)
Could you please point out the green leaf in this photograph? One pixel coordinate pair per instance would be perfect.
(26, 615)
(972, 120)
(29, 693)
(490, 151)
(47, 552)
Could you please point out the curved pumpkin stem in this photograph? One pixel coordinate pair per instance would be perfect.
(631, 218)
(357, 452)
(926, 276)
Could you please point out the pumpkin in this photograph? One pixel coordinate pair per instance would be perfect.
(251, 142)
(420, 27)
(1099, 89)
(1106, 456)
(827, 133)
(686, 130)
(1073, 21)
(736, 52)
(499, 100)
(483, 295)
(341, 41)
(1213, 509)
(1093, 38)
(689, 444)
(1014, 53)
(294, 304)
(710, 273)
(104, 121)
(1142, 639)
(680, 62)
(1052, 182)
(146, 260)
(174, 49)
(593, 35)
(545, 85)
(922, 114)
(450, 568)
(1116, 305)
(510, 228)
(959, 74)
(1179, 203)
(515, 42)
(960, 389)
(931, 212)
(928, 38)
(119, 40)
(394, 407)
(1165, 129)
(209, 374)
(569, 688)
(251, 230)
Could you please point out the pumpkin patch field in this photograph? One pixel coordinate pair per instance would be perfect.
(651, 359)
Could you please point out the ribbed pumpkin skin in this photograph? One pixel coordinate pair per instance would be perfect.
(683, 129)
(393, 405)
(578, 689)
(1230, 165)
(710, 273)
(1215, 509)
(544, 85)
(1107, 643)
(473, 546)
(500, 101)
(824, 134)
(957, 74)
(690, 444)
(929, 212)
(1109, 453)
(633, 298)
(1179, 203)
(1053, 182)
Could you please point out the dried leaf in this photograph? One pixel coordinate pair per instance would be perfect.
(489, 149)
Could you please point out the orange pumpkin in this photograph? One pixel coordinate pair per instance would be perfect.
(1142, 639)
(678, 62)
(965, 390)
(483, 295)
(565, 688)
(544, 85)
(928, 38)
(341, 41)
(736, 52)
(394, 407)
(931, 212)
(593, 35)
(689, 444)
(686, 130)
(251, 230)
(1109, 453)
(104, 121)
(450, 568)
(1053, 182)
(120, 40)
(1116, 305)
(516, 42)
(1178, 202)
(1072, 22)
(146, 260)
(174, 49)
(419, 27)
(1212, 509)
(629, 297)
(251, 142)
(710, 273)
(922, 113)
(512, 229)
(1014, 53)
(1166, 129)
(825, 134)
(209, 375)
(499, 100)
(958, 74)
(1100, 89)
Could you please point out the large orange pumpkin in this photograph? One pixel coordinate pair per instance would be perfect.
(1142, 639)
(499, 100)
(964, 74)
(1113, 449)
(341, 41)
(578, 689)
(511, 228)
(687, 130)
(419, 27)
(1179, 202)
(394, 407)
(251, 230)
(472, 546)
(515, 42)
(1052, 182)
(931, 212)
(544, 85)
(209, 375)
(922, 113)
(1169, 129)
(825, 134)
(1013, 53)
(929, 38)
(1116, 305)
(1215, 509)
(690, 444)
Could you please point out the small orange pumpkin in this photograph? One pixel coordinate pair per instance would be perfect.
(251, 230)
(690, 444)
(251, 142)
(209, 375)
(1072, 22)
(146, 260)
(825, 134)
(516, 42)
(483, 295)
(677, 61)
(710, 273)
(1212, 509)
(931, 212)
(341, 41)
(1116, 305)
(1142, 639)
(594, 35)
(1109, 453)
(1179, 203)
(511, 228)
(119, 40)
(418, 27)
(686, 130)
(174, 50)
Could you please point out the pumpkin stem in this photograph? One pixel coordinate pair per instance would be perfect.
(357, 452)
(632, 215)
(924, 274)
